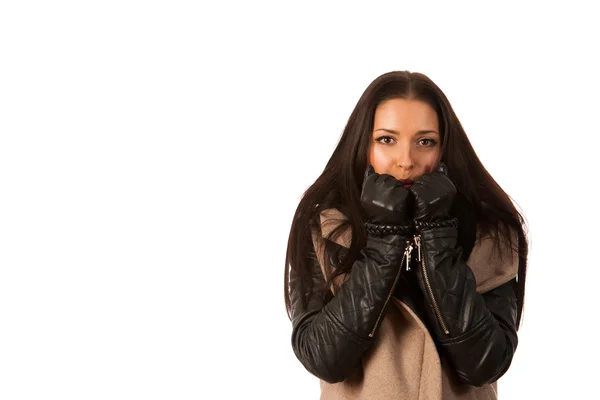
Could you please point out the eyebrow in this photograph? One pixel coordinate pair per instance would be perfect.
(393, 132)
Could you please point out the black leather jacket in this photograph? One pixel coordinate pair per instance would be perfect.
(475, 332)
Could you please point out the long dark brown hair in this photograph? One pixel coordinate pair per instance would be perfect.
(339, 185)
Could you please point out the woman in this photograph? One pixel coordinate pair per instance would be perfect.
(406, 261)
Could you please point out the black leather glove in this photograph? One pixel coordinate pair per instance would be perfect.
(477, 333)
(433, 193)
(384, 199)
(331, 338)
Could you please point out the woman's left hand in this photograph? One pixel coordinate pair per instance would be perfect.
(434, 193)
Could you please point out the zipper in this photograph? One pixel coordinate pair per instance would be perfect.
(405, 257)
(436, 309)
(407, 254)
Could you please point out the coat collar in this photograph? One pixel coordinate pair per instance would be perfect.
(330, 219)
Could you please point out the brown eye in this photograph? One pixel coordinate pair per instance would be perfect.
(386, 140)
(427, 142)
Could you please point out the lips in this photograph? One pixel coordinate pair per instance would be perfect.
(406, 183)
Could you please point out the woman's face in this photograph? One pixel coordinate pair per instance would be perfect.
(405, 141)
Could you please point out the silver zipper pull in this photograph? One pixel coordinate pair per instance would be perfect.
(418, 243)
(407, 254)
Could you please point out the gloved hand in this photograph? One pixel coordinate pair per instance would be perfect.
(384, 199)
(433, 193)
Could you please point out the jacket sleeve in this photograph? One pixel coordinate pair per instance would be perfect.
(330, 339)
(477, 332)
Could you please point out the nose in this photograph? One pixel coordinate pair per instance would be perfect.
(404, 159)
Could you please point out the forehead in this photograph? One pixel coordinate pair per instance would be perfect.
(395, 113)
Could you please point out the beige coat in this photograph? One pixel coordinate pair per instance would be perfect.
(403, 362)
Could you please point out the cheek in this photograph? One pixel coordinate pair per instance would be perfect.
(436, 160)
(429, 163)
(379, 159)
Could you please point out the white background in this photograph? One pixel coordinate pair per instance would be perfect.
(152, 155)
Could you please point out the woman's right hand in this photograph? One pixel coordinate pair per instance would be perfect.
(384, 199)
(330, 337)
